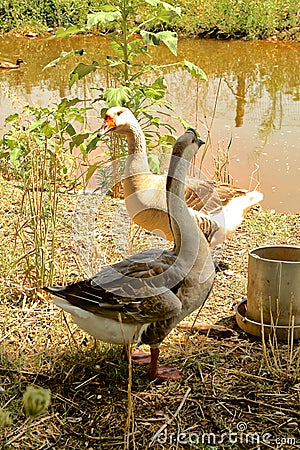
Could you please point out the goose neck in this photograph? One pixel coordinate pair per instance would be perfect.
(136, 140)
(187, 238)
(136, 161)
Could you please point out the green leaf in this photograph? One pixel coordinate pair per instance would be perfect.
(15, 155)
(63, 56)
(108, 8)
(66, 32)
(154, 162)
(194, 70)
(169, 38)
(79, 138)
(90, 172)
(11, 117)
(92, 144)
(36, 125)
(67, 103)
(48, 130)
(117, 96)
(70, 129)
(184, 123)
(150, 38)
(156, 90)
(102, 17)
(81, 71)
(153, 2)
(169, 7)
(167, 12)
(11, 142)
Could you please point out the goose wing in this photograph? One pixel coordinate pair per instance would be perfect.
(131, 291)
(210, 197)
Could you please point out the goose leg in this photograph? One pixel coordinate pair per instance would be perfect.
(137, 357)
(163, 372)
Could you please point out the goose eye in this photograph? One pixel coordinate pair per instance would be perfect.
(118, 113)
(193, 141)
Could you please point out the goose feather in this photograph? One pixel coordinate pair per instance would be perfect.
(142, 298)
(218, 209)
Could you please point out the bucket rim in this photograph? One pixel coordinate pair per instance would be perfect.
(254, 328)
(264, 247)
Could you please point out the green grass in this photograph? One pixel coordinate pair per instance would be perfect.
(250, 19)
(247, 19)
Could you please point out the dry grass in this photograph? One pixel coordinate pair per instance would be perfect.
(229, 386)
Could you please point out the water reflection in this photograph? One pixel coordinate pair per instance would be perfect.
(253, 89)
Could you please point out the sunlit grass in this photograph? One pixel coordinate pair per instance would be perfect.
(211, 18)
(231, 376)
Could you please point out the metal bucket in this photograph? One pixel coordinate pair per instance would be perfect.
(273, 292)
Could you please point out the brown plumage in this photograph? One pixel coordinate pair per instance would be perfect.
(142, 298)
(218, 209)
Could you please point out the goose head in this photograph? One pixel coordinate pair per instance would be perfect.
(187, 145)
(118, 119)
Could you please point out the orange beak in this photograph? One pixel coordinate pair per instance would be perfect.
(108, 125)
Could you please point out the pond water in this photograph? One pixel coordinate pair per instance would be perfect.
(253, 97)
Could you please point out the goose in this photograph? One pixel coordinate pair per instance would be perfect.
(9, 65)
(142, 298)
(217, 209)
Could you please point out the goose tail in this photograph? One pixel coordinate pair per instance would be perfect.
(252, 199)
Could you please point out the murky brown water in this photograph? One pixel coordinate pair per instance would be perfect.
(258, 105)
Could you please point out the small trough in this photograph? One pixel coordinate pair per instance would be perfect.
(273, 293)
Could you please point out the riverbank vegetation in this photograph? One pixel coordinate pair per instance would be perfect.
(50, 233)
(247, 19)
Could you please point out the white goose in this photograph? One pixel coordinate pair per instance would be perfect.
(142, 298)
(217, 209)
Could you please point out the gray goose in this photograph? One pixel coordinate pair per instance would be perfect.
(217, 209)
(142, 298)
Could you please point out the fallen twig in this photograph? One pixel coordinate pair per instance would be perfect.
(163, 427)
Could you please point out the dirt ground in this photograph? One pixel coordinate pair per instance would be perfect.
(238, 391)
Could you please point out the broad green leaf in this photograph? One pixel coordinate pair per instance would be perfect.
(90, 172)
(11, 117)
(63, 56)
(117, 96)
(92, 144)
(15, 155)
(48, 130)
(70, 129)
(108, 8)
(194, 70)
(67, 103)
(156, 90)
(153, 2)
(81, 71)
(11, 142)
(36, 124)
(79, 138)
(66, 32)
(154, 162)
(102, 18)
(167, 12)
(169, 7)
(169, 38)
(150, 38)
